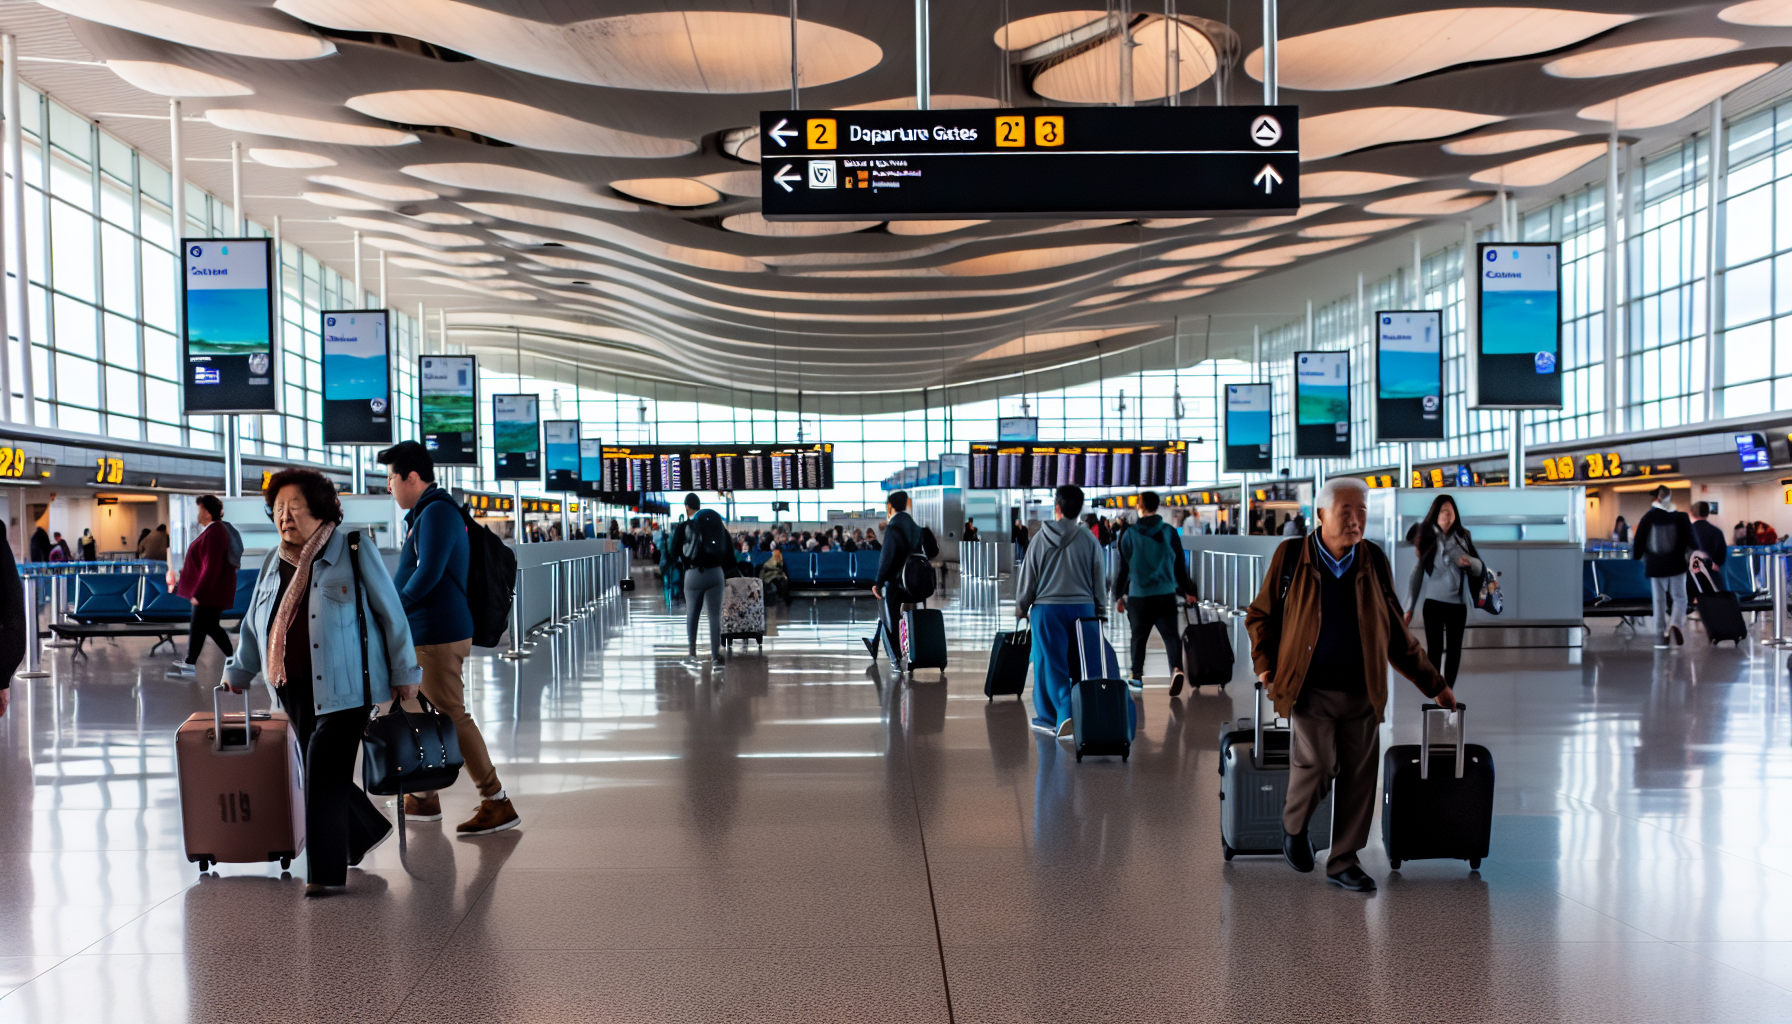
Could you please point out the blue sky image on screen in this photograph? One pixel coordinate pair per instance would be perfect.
(562, 456)
(354, 358)
(1408, 365)
(1518, 323)
(1245, 427)
(1322, 393)
(227, 321)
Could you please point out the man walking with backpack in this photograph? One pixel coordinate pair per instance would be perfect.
(703, 550)
(432, 581)
(902, 538)
(1059, 582)
(1663, 539)
(1150, 573)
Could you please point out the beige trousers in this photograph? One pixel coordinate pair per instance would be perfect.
(441, 664)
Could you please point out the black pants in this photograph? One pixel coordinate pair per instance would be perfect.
(204, 624)
(1158, 612)
(341, 823)
(1444, 623)
(891, 620)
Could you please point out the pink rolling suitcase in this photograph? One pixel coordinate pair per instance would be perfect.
(242, 798)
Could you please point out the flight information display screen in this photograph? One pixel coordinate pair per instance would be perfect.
(996, 465)
(560, 454)
(1321, 405)
(1518, 347)
(715, 468)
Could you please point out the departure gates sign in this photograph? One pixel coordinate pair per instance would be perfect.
(1047, 162)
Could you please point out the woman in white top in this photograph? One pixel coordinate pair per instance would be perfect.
(1448, 566)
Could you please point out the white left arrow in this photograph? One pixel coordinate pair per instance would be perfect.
(779, 133)
(784, 177)
(1268, 178)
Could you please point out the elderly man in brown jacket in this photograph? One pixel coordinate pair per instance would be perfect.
(1324, 627)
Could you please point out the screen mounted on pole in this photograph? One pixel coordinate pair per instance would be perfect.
(448, 408)
(357, 377)
(1518, 357)
(516, 436)
(560, 454)
(1247, 428)
(227, 302)
(1321, 405)
(1409, 375)
(1033, 162)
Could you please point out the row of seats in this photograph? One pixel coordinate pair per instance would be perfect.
(126, 597)
(1617, 586)
(823, 570)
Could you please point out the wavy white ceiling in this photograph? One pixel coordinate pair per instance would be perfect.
(586, 170)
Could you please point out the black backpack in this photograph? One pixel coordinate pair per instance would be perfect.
(491, 581)
(705, 542)
(917, 577)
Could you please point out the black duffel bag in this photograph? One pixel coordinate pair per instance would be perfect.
(401, 751)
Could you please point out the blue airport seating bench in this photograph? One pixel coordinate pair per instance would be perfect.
(827, 571)
(1617, 588)
(111, 605)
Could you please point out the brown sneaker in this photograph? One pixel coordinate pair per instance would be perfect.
(422, 808)
(492, 816)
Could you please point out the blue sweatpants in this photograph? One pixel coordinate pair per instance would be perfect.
(1054, 644)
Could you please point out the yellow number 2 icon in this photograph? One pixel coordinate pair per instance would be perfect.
(1011, 131)
(822, 133)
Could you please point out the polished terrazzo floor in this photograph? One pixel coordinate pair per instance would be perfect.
(799, 838)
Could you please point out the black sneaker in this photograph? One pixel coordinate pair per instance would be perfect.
(1298, 851)
(1353, 878)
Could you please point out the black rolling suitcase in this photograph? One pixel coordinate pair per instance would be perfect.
(1008, 660)
(1438, 805)
(924, 639)
(1719, 610)
(1206, 651)
(1101, 710)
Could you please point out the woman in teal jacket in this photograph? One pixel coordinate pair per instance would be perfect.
(303, 637)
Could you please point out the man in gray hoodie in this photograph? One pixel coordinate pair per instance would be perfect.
(1060, 582)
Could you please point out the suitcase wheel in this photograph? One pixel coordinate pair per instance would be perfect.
(1226, 849)
(204, 865)
(1393, 864)
(1474, 863)
(1079, 758)
(285, 862)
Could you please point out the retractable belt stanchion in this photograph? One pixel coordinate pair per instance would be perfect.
(517, 650)
(1777, 588)
(59, 607)
(34, 656)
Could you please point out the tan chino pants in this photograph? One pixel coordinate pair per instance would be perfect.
(441, 664)
(1336, 737)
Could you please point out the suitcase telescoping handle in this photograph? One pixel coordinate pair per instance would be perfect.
(1461, 717)
(1082, 649)
(248, 744)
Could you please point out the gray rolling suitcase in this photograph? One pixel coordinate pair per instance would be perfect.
(1254, 786)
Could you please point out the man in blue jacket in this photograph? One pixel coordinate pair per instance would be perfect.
(432, 583)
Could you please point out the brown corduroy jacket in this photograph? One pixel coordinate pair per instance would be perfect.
(1283, 630)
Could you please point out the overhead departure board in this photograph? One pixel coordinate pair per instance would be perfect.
(674, 468)
(996, 465)
(1033, 162)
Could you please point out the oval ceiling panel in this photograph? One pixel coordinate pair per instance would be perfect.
(1284, 254)
(285, 126)
(1670, 101)
(1766, 13)
(1440, 203)
(1024, 260)
(1387, 50)
(459, 258)
(1349, 183)
(734, 183)
(293, 159)
(445, 238)
(754, 224)
(931, 227)
(664, 51)
(937, 101)
(1178, 295)
(1507, 142)
(669, 191)
(517, 181)
(336, 202)
(516, 123)
(1619, 60)
(1542, 168)
(1346, 228)
(261, 33)
(1328, 135)
(390, 193)
(464, 273)
(174, 80)
(1092, 76)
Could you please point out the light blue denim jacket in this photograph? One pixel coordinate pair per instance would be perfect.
(336, 658)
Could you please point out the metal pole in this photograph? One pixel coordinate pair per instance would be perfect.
(236, 188)
(795, 102)
(34, 655)
(1610, 338)
(1125, 92)
(1405, 464)
(1777, 587)
(15, 169)
(923, 58)
(360, 295)
(1714, 165)
(59, 607)
(1515, 457)
(1418, 272)
(10, 89)
(233, 459)
(517, 651)
(1269, 53)
(382, 279)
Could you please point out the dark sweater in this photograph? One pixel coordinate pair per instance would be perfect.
(432, 571)
(1338, 653)
(1710, 539)
(1663, 540)
(901, 539)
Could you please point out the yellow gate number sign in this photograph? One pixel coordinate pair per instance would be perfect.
(1048, 131)
(12, 462)
(110, 471)
(823, 133)
(1011, 131)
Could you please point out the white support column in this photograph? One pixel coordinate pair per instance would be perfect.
(1269, 52)
(1714, 166)
(5, 346)
(383, 279)
(923, 57)
(1504, 235)
(1515, 457)
(1612, 312)
(1125, 62)
(15, 213)
(360, 293)
(796, 102)
(236, 188)
(1418, 272)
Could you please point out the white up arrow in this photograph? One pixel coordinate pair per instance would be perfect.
(1268, 178)
(779, 133)
(784, 177)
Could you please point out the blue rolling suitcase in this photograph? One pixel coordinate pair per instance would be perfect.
(1101, 709)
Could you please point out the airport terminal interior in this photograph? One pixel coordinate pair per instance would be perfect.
(841, 270)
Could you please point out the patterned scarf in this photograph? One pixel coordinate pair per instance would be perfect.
(275, 667)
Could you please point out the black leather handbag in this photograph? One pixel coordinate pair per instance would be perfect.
(401, 750)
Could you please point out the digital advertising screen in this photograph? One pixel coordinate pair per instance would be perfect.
(591, 467)
(1247, 428)
(357, 377)
(516, 436)
(560, 454)
(448, 408)
(1017, 428)
(1409, 375)
(1518, 357)
(1321, 405)
(1753, 450)
(228, 343)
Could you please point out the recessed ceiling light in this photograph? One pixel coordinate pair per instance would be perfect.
(1657, 53)
(1542, 168)
(1670, 101)
(515, 123)
(1326, 135)
(260, 32)
(1388, 50)
(286, 126)
(1506, 142)
(175, 80)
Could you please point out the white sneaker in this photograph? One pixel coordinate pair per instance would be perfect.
(182, 671)
(1066, 729)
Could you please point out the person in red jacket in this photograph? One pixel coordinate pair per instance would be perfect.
(208, 579)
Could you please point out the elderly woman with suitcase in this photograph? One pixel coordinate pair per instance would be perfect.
(322, 611)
